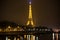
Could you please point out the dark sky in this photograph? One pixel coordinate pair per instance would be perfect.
(45, 12)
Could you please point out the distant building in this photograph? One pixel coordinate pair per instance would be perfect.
(18, 32)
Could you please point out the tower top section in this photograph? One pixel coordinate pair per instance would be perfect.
(29, 1)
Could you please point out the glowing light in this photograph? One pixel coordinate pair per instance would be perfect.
(14, 38)
(32, 37)
(29, 2)
(53, 36)
(56, 30)
(18, 27)
(15, 29)
(30, 12)
(6, 38)
(30, 20)
(28, 37)
(56, 36)
(9, 27)
(24, 36)
(18, 38)
(21, 38)
(36, 38)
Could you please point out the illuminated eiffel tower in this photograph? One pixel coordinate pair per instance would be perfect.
(30, 19)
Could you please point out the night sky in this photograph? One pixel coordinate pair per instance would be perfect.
(45, 12)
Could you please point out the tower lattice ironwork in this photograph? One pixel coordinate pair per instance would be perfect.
(30, 19)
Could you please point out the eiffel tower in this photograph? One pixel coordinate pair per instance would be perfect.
(30, 19)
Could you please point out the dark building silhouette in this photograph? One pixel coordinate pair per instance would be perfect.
(13, 31)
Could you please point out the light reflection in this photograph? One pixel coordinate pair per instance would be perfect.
(14, 38)
(9, 39)
(56, 36)
(32, 37)
(28, 37)
(21, 38)
(18, 38)
(24, 36)
(53, 36)
(6, 38)
(36, 38)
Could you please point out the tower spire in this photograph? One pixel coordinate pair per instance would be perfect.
(30, 19)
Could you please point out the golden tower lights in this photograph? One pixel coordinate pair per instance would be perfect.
(30, 19)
